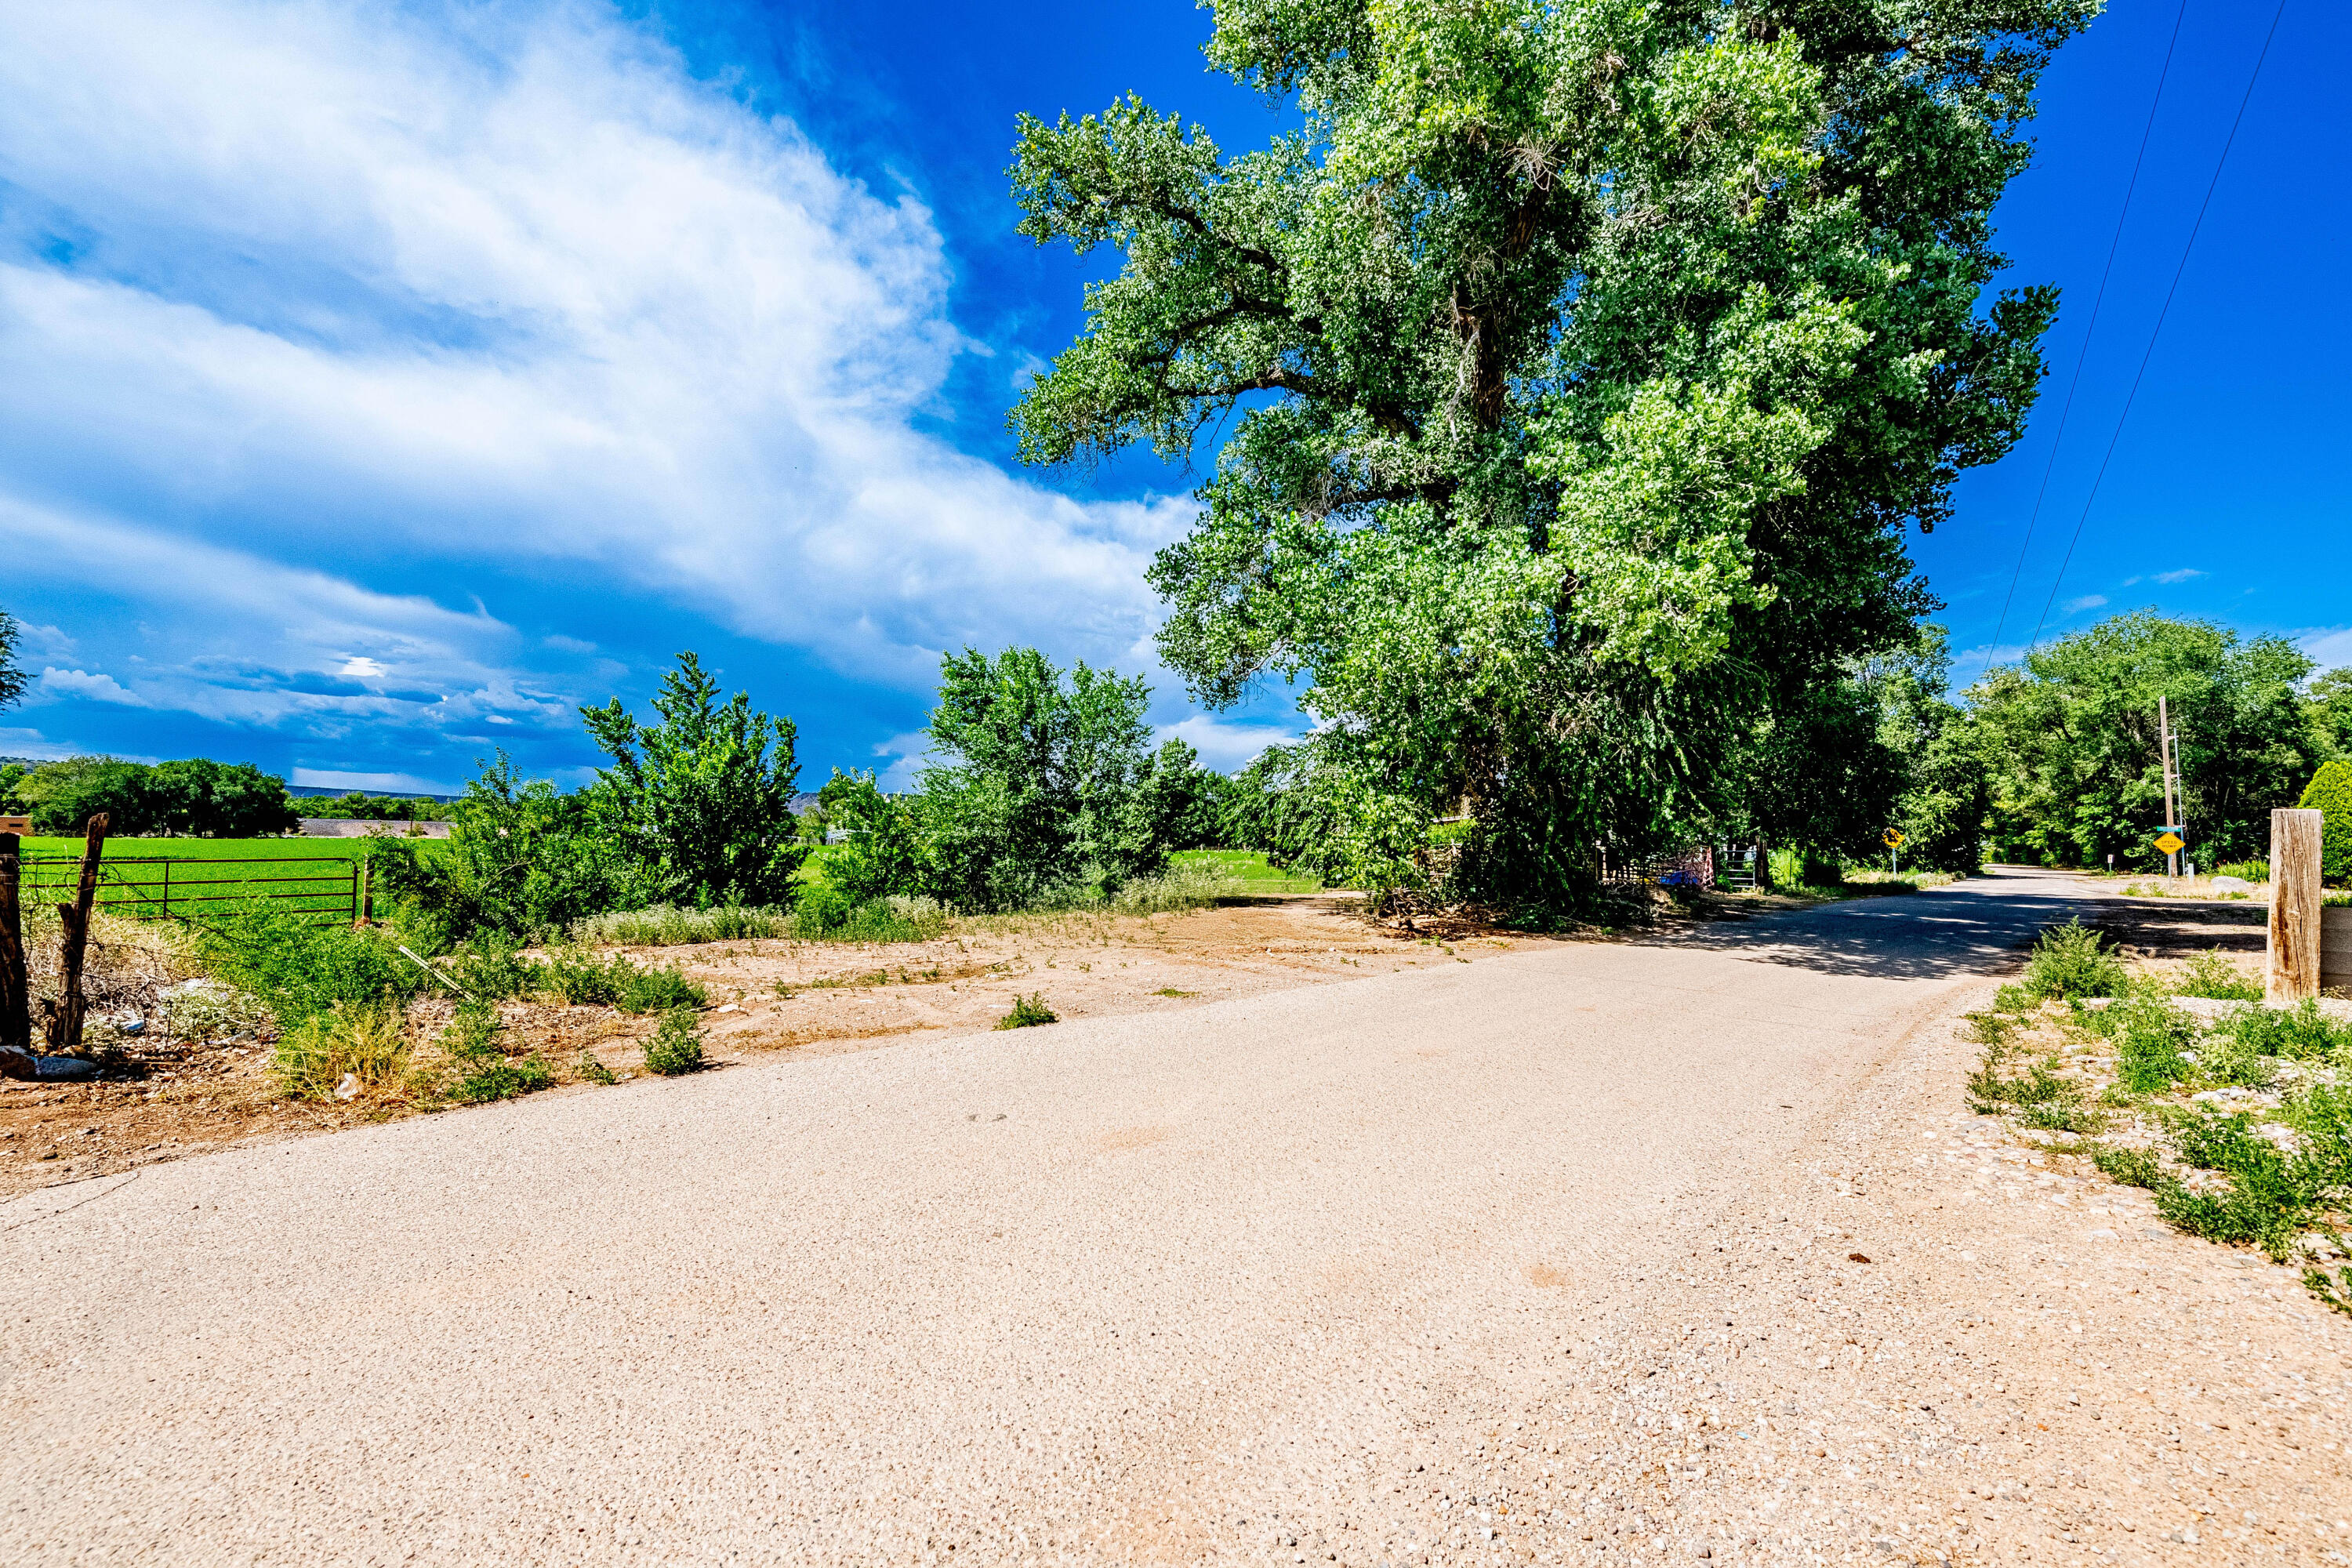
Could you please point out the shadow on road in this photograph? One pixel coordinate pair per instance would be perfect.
(1977, 927)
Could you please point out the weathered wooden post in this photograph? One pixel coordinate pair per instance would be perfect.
(2295, 907)
(63, 1018)
(15, 987)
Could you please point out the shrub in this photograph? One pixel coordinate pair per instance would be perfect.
(677, 1045)
(492, 968)
(2299, 1033)
(2212, 974)
(2330, 792)
(1028, 1012)
(662, 990)
(591, 1070)
(368, 1042)
(2071, 962)
(2245, 870)
(664, 925)
(485, 1071)
(521, 859)
(301, 970)
(576, 975)
(826, 914)
(2268, 1199)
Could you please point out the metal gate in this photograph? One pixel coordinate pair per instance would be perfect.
(197, 888)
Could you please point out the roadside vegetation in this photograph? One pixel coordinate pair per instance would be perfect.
(2236, 1117)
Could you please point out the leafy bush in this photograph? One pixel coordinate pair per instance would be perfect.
(656, 989)
(2330, 792)
(825, 913)
(520, 861)
(664, 925)
(2245, 870)
(698, 806)
(2212, 974)
(577, 976)
(676, 1047)
(196, 797)
(367, 1041)
(487, 1072)
(492, 968)
(1028, 1012)
(2268, 1200)
(300, 970)
(2071, 962)
(2302, 1033)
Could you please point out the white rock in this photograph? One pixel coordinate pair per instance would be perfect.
(2232, 885)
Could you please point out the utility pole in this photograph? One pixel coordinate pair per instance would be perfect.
(2164, 747)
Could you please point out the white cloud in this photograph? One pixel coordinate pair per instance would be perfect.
(360, 667)
(2180, 575)
(2329, 649)
(503, 283)
(2087, 602)
(57, 683)
(1225, 744)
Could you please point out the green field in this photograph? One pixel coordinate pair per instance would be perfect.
(200, 876)
(1247, 867)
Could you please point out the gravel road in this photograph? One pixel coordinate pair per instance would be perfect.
(1269, 1279)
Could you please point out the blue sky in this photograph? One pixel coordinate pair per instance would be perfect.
(386, 380)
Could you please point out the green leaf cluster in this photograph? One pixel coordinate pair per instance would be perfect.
(2330, 792)
(1576, 369)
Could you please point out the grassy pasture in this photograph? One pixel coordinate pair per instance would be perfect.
(1247, 867)
(206, 875)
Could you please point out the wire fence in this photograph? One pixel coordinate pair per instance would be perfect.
(197, 888)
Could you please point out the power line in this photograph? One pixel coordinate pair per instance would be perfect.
(2085, 353)
(2154, 331)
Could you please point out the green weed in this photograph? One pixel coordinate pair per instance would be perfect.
(2302, 1033)
(492, 968)
(677, 1045)
(2071, 962)
(576, 975)
(1028, 1012)
(591, 1070)
(2040, 1098)
(485, 1072)
(662, 990)
(2212, 974)
(2150, 1036)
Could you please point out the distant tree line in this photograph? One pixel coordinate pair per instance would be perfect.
(194, 797)
(1042, 788)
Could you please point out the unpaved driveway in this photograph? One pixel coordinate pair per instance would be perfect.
(1416, 1268)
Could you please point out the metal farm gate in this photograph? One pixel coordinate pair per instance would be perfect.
(197, 888)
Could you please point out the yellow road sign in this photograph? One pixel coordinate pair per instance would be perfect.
(2171, 843)
(1893, 837)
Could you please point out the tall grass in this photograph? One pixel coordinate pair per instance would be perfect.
(667, 926)
(367, 1043)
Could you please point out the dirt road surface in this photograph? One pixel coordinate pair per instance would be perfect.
(1614, 1252)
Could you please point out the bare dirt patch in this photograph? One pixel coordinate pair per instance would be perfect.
(183, 1096)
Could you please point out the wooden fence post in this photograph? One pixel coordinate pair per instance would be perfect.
(15, 989)
(2295, 904)
(64, 1015)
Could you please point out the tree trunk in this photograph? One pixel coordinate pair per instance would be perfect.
(64, 1015)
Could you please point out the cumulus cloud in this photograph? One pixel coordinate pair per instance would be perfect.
(2329, 649)
(2087, 602)
(97, 687)
(503, 284)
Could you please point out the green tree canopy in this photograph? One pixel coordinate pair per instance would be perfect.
(700, 805)
(1582, 364)
(1037, 779)
(2069, 739)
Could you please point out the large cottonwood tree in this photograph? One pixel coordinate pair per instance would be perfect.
(1578, 367)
